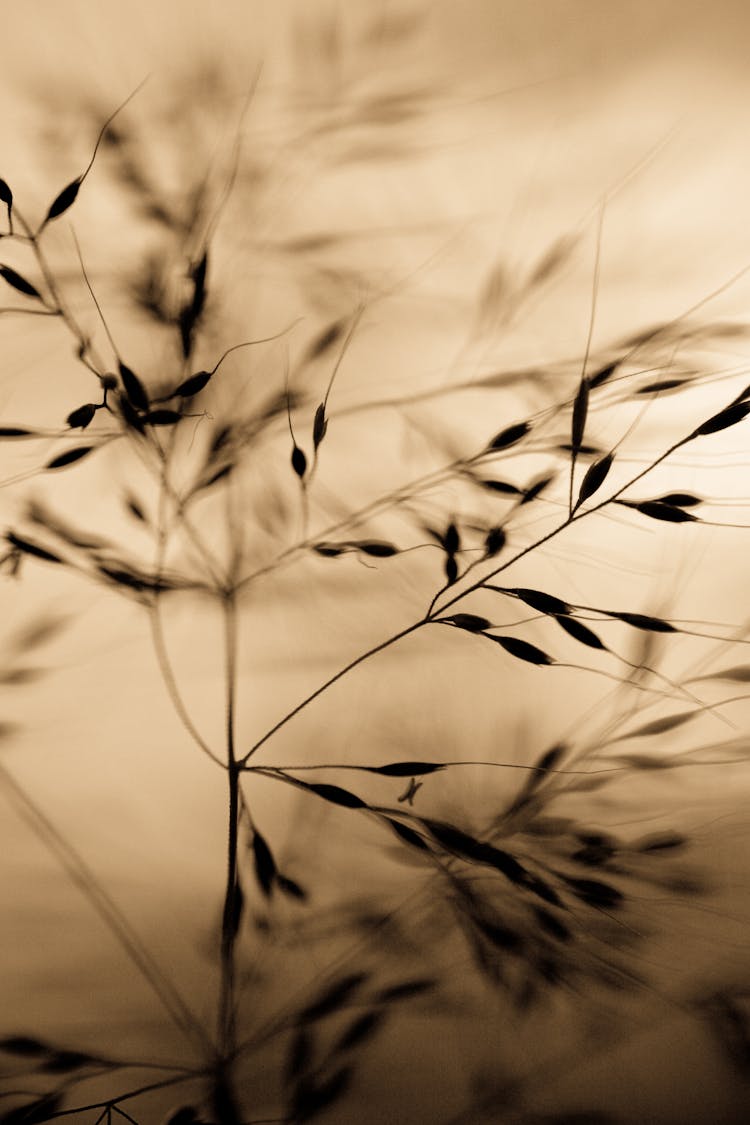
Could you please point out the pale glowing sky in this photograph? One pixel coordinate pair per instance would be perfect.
(542, 108)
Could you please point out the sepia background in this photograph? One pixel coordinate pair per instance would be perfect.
(419, 160)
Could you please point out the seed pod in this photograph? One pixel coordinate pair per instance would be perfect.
(580, 414)
(82, 416)
(451, 539)
(522, 650)
(193, 384)
(299, 461)
(494, 542)
(595, 476)
(320, 425)
(471, 622)
(730, 416)
(162, 418)
(134, 389)
(376, 548)
(17, 282)
(509, 436)
(69, 457)
(63, 201)
(541, 601)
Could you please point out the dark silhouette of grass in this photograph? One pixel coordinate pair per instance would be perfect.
(534, 897)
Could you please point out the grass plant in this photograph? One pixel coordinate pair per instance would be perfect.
(255, 465)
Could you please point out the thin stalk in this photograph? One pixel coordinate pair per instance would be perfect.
(170, 681)
(157, 626)
(589, 339)
(568, 522)
(429, 616)
(223, 1097)
(329, 683)
(61, 309)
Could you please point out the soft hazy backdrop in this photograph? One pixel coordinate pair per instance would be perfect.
(410, 150)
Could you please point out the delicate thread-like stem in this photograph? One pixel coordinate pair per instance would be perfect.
(329, 683)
